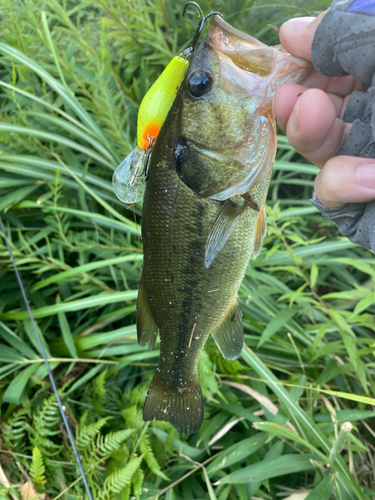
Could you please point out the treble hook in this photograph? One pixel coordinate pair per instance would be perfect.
(187, 53)
(148, 155)
(142, 169)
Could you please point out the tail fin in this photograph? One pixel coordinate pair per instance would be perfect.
(181, 406)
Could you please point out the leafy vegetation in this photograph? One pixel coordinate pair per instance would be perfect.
(295, 413)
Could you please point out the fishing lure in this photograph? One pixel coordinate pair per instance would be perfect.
(127, 182)
(130, 176)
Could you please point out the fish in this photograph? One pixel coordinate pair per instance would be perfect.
(204, 211)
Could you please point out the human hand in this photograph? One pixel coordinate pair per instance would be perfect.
(311, 114)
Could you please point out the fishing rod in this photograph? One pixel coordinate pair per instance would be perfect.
(43, 352)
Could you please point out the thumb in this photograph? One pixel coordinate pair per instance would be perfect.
(346, 179)
(296, 35)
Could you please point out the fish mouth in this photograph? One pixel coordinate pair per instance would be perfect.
(245, 51)
(225, 38)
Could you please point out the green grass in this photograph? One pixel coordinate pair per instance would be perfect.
(72, 75)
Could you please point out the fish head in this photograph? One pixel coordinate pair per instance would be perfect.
(227, 139)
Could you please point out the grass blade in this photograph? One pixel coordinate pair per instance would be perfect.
(75, 305)
(66, 94)
(273, 467)
(7, 127)
(301, 419)
(67, 334)
(323, 491)
(16, 388)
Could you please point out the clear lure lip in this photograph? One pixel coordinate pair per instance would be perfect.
(127, 181)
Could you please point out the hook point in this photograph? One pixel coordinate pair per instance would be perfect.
(187, 53)
(196, 5)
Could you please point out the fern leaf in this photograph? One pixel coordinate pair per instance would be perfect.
(126, 493)
(87, 433)
(209, 382)
(137, 482)
(133, 416)
(98, 385)
(121, 478)
(37, 468)
(14, 431)
(99, 391)
(149, 456)
(106, 445)
(46, 420)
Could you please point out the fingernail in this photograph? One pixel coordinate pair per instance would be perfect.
(295, 25)
(366, 175)
(295, 125)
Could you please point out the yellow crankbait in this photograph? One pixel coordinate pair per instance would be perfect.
(151, 116)
(152, 113)
(154, 108)
(158, 100)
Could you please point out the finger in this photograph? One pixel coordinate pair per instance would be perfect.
(296, 36)
(287, 96)
(313, 128)
(342, 86)
(346, 179)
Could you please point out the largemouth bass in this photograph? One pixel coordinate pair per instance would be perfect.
(204, 211)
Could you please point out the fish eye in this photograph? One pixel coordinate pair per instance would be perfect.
(179, 152)
(199, 83)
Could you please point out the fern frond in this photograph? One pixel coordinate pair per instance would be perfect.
(150, 459)
(98, 385)
(137, 482)
(133, 416)
(138, 394)
(110, 443)
(209, 381)
(126, 493)
(99, 391)
(87, 433)
(121, 478)
(45, 425)
(14, 430)
(37, 468)
(119, 458)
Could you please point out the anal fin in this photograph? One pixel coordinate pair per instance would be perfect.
(260, 232)
(229, 334)
(221, 230)
(147, 329)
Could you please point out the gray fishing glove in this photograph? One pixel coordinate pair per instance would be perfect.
(344, 44)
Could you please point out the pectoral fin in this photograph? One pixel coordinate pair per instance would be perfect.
(147, 329)
(260, 232)
(229, 335)
(221, 230)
